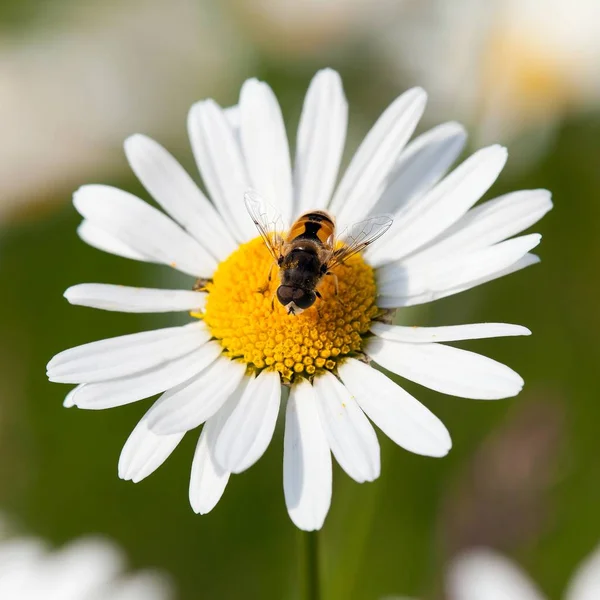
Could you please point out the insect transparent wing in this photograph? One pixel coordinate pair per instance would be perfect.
(358, 236)
(268, 221)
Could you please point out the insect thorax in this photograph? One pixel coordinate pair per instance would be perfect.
(301, 266)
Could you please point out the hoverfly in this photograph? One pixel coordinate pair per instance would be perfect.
(310, 250)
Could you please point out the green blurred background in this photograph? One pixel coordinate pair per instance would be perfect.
(524, 474)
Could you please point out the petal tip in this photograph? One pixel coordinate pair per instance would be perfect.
(420, 96)
(135, 138)
(328, 72)
(200, 508)
(518, 385)
(306, 525)
(441, 453)
(223, 458)
(69, 402)
(70, 294)
(455, 127)
(251, 85)
(123, 473)
(495, 151)
(78, 197)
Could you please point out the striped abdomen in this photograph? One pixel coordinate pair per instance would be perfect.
(316, 225)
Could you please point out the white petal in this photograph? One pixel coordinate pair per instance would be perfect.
(143, 228)
(585, 584)
(233, 116)
(248, 431)
(190, 404)
(68, 402)
(130, 299)
(171, 186)
(367, 175)
(306, 460)
(400, 279)
(126, 354)
(398, 301)
(209, 479)
(109, 345)
(400, 416)
(320, 142)
(489, 223)
(144, 451)
(265, 145)
(124, 390)
(420, 166)
(424, 218)
(446, 369)
(100, 239)
(420, 335)
(484, 575)
(349, 434)
(221, 163)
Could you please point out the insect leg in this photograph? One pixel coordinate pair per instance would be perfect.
(200, 284)
(264, 288)
(273, 299)
(337, 289)
(335, 281)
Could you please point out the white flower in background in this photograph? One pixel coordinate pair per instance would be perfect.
(226, 368)
(522, 64)
(484, 575)
(87, 569)
(299, 30)
(70, 92)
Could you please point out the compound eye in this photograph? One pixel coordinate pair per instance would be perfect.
(285, 294)
(303, 298)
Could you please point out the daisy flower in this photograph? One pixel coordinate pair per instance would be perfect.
(95, 53)
(525, 65)
(227, 367)
(484, 575)
(86, 569)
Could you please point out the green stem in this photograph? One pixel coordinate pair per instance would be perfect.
(312, 581)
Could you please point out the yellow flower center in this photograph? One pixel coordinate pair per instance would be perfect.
(244, 315)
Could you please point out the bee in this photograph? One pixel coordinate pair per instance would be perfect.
(310, 250)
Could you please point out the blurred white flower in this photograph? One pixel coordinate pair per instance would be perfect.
(484, 575)
(507, 66)
(86, 569)
(73, 86)
(299, 30)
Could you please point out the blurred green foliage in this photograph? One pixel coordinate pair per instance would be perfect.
(58, 475)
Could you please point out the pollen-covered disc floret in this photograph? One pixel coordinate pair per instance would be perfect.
(244, 315)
